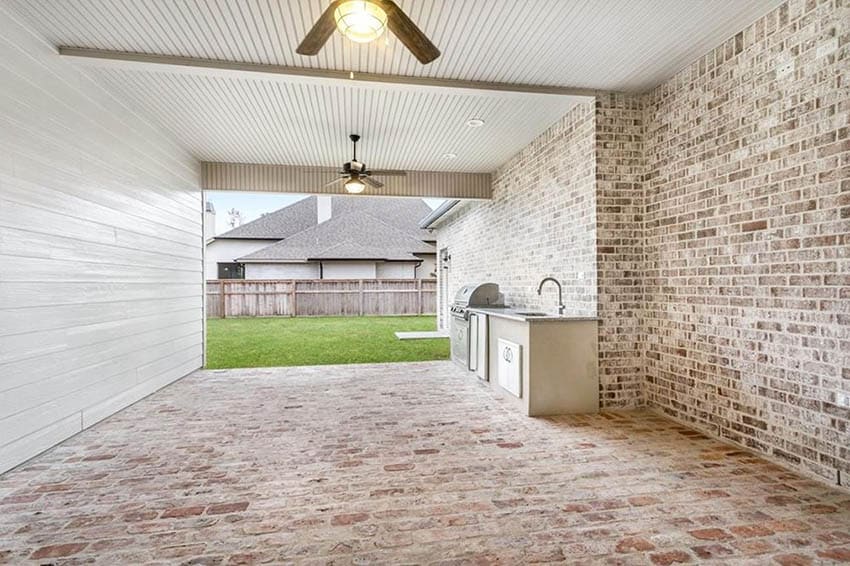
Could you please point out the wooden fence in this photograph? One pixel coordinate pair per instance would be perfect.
(320, 297)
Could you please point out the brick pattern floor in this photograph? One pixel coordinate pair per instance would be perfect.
(411, 463)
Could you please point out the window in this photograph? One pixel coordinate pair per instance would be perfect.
(231, 271)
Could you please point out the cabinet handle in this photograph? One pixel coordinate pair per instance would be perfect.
(508, 355)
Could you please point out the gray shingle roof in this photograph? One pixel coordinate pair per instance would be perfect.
(351, 235)
(279, 224)
(401, 213)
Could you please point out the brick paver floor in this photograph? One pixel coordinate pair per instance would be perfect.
(402, 463)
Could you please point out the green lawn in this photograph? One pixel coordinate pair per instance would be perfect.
(268, 342)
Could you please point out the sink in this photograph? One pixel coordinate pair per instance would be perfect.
(532, 313)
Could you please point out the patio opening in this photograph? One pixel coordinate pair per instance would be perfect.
(319, 279)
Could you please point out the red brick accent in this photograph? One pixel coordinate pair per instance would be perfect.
(349, 518)
(670, 557)
(634, 544)
(710, 534)
(58, 550)
(222, 508)
(180, 512)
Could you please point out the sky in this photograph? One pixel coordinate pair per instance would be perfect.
(253, 205)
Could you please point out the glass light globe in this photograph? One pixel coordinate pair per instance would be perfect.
(360, 20)
(354, 185)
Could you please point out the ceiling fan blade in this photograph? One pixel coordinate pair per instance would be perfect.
(372, 182)
(320, 32)
(408, 33)
(388, 173)
(335, 181)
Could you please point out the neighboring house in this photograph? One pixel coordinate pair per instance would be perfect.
(328, 237)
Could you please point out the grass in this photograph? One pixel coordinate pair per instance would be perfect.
(270, 342)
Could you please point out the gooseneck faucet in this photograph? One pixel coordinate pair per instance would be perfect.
(560, 292)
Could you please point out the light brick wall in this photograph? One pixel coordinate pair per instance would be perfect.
(721, 228)
(541, 221)
(620, 169)
(748, 239)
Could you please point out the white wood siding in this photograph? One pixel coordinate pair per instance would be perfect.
(282, 270)
(395, 270)
(348, 270)
(101, 279)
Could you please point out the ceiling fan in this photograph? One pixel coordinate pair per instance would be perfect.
(364, 21)
(356, 176)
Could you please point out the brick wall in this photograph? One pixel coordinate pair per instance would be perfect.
(619, 213)
(721, 226)
(541, 221)
(748, 239)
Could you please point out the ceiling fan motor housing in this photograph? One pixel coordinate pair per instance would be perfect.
(354, 167)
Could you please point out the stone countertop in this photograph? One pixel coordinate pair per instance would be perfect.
(517, 314)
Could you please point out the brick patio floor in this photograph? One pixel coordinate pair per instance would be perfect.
(410, 463)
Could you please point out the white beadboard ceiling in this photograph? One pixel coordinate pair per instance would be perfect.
(600, 44)
(626, 45)
(285, 121)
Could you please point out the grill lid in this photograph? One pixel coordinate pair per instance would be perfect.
(483, 295)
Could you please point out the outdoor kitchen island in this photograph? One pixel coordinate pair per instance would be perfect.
(545, 364)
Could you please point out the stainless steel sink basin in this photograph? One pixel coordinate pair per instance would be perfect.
(532, 313)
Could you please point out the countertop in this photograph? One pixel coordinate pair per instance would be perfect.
(516, 314)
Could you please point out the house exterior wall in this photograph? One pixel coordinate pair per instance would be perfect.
(209, 225)
(748, 239)
(101, 287)
(226, 251)
(282, 270)
(395, 270)
(428, 267)
(348, 270)
(540, 222)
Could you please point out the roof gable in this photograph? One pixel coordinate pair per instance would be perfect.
(401, 213)
(277, 225)
(358, 231)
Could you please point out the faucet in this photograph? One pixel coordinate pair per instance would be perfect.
(560, 292)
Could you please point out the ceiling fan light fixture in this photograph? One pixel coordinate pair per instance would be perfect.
(360, 21)
(354, 185)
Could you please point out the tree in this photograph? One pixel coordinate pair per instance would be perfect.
(235, 218)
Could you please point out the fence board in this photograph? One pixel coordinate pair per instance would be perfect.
(320, 297)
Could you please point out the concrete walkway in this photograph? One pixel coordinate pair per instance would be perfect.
(413, 463)
(424, 335)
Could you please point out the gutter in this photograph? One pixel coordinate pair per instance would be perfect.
(438, 213)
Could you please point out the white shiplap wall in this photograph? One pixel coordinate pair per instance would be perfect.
(100, 251)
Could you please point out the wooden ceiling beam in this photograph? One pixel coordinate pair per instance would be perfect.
(214, 66)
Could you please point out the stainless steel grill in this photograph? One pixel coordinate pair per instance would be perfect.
(470, 296)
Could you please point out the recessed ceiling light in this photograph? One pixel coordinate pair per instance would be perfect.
(449, 155)
(475, 123)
